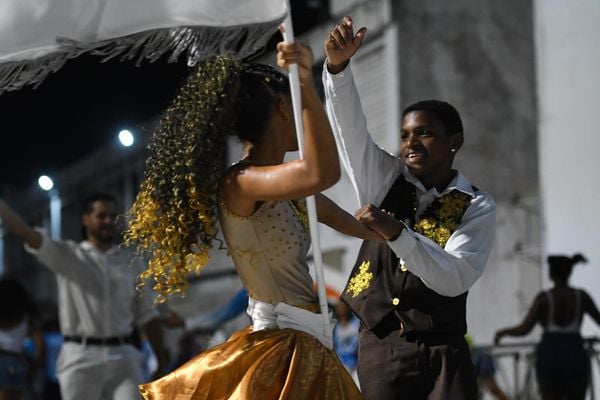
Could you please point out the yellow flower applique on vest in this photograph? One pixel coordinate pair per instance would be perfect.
(361, 280)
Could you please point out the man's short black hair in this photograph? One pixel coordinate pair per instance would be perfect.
(443, 112)
(89, 200)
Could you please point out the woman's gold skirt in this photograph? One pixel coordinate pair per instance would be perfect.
(268, 364)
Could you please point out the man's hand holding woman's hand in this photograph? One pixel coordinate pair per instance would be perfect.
(381, 221)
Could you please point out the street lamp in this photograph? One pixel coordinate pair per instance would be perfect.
(47, 184)
(126, 138)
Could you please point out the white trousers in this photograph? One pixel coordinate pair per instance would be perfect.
(92, 372)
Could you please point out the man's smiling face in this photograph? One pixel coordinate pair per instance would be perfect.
(426, 147)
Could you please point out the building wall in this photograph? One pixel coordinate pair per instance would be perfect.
(568, 65)
(479, 56)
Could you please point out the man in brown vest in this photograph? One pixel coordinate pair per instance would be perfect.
(409, 292)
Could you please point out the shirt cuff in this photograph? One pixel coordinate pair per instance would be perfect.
(342, 76)
(404, 244)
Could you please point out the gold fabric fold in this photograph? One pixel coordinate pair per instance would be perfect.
(267, 365)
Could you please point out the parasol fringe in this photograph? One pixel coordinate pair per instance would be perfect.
(16, 74)
(197, 43)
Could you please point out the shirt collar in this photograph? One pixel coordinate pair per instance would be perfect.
(459, 183)
(88, 246)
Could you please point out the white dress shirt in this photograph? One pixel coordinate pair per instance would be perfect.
(97, 294)
(449, 271)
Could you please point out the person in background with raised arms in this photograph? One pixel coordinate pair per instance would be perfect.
(409, 292)
(98, 304)
(260, 207)
(562, 363)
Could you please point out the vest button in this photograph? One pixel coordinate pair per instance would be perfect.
(395, 301)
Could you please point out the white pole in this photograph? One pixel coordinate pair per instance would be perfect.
(288, 36)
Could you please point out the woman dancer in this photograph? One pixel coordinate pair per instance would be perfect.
(562, 363)
(258, 203)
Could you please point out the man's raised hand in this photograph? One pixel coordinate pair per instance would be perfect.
(341, 44)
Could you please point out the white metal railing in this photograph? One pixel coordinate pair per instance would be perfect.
(515, 367)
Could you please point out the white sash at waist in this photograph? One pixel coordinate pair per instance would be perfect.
(284, 316)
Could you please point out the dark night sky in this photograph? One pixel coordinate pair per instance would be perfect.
(86, 103)
(82, 106)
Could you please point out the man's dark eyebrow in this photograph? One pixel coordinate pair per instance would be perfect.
(429, 127)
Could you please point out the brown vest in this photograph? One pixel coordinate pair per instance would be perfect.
(384, 288)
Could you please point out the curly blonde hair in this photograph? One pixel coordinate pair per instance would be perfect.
(174, 216)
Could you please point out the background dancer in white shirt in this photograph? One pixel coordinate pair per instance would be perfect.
(99, 307)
